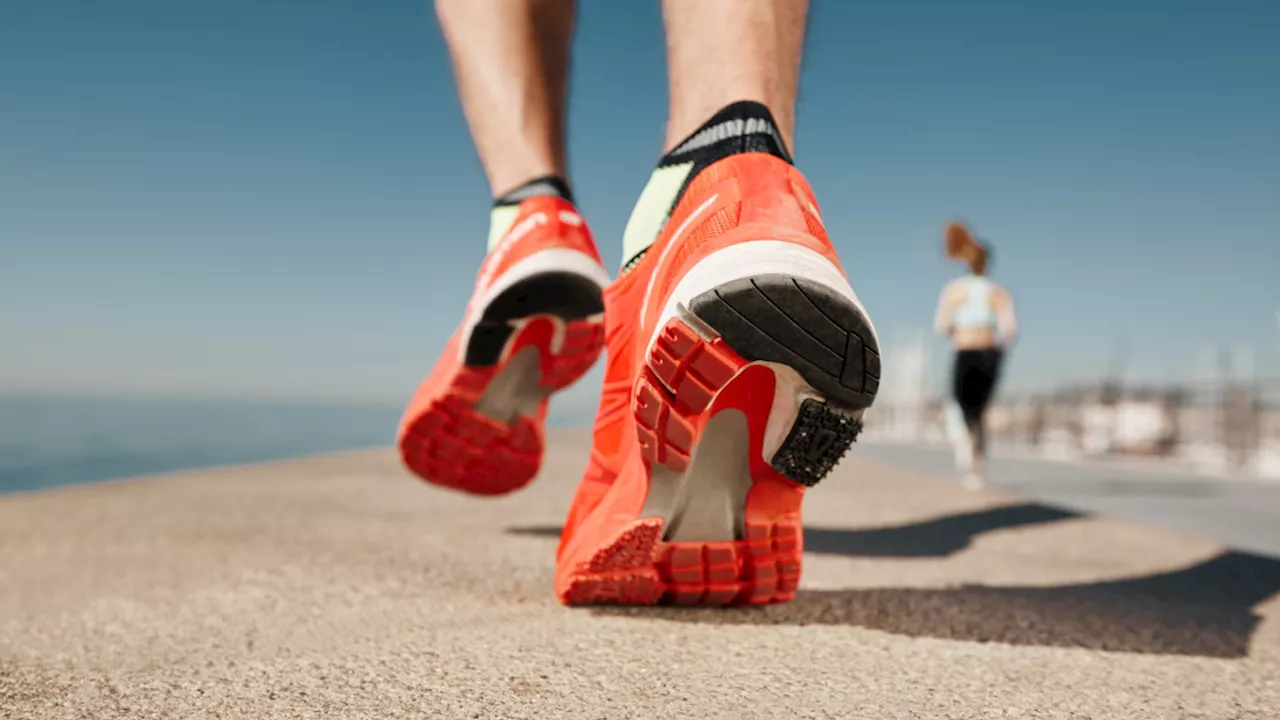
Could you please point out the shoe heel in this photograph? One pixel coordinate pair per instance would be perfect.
(483, 433)
(821, 346)
(802, 324)
(752, 392)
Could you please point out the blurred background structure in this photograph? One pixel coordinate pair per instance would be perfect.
(1225, 421)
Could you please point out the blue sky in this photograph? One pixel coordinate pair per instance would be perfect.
(268, 198)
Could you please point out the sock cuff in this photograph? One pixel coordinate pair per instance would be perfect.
(552, 185)
(743, 126)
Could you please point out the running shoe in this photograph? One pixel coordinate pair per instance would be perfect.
(740, 364)
(533, 326)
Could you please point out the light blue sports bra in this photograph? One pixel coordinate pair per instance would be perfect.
(976, 310)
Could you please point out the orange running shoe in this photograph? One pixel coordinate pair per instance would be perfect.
(533, 326)
(740, 363)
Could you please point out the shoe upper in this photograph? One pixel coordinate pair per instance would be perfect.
(541, 223)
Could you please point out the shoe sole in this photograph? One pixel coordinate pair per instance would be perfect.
(482, 433)
(753, 391)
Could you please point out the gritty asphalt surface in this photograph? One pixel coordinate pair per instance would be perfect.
(338, 587)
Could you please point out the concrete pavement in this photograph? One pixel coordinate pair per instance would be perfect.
(1242, 513)
(339, 587)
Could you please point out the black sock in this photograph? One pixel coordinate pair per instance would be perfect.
(548, 185)
(743, 127)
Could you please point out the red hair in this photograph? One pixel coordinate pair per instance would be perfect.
(959, 244)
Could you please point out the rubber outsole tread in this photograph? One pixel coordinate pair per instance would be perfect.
(638, 568)
(802, 324)
(453, 445)
(684, 373)
(818, 441)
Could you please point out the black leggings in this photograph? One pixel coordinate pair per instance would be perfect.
(973, 382)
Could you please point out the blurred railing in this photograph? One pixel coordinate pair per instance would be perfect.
(1225, 427)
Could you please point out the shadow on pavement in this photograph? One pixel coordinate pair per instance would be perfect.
(1205, 609)
(939, 537)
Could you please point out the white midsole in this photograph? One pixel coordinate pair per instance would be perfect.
(750, 259)
(789, 392)
(559, 260)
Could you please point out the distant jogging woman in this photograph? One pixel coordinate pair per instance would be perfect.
(977, 316)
